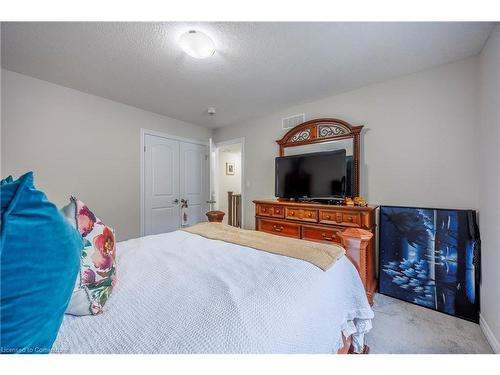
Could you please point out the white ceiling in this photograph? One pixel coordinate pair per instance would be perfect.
(258, 67)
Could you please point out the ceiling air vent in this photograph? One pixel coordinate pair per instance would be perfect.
(290, 122)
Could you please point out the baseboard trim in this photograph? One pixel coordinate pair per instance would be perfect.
(495, 345)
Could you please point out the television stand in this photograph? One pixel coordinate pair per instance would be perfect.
(322, 223)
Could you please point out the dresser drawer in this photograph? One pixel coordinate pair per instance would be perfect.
(269, 210)
(330, 217)
(278, 211)
(279, 227)
(351, 219)
(321, 234)
(301, 214)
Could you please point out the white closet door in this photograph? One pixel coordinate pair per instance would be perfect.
(194, 181)
(161, 185)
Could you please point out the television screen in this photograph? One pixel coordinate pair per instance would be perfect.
(316, 175)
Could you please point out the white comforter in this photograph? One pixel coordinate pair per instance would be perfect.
(181, 293)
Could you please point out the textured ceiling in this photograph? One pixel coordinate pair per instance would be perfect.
(258, 67)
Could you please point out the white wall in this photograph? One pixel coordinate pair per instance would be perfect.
(418, 144)
(80, 144)
(228, 182)
(489, 192)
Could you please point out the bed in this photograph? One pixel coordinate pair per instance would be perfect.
(179, 292)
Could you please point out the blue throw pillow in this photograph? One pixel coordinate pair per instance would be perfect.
(40, 258)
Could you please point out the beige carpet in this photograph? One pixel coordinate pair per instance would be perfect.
(401, 327)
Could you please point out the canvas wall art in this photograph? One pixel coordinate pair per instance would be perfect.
(430, 257)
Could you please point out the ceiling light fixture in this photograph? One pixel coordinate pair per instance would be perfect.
(197, 44)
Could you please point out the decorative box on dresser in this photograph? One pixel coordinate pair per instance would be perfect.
(323, 223)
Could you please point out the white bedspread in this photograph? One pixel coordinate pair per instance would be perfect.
(181, 293)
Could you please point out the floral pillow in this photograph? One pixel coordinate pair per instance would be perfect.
(97, 275)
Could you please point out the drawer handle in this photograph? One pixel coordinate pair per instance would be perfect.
(326, 238)
(278, 229)
(292, 213)
(309, 215)
(264, 209)
(328, 217)
(277, 211)
(349, 218)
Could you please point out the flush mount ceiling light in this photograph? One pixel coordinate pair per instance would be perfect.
(197, 44)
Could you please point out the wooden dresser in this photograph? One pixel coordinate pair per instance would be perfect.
(323, 223)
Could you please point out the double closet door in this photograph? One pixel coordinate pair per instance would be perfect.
(176, 184)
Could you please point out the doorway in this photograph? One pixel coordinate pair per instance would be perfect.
(175, 182)
(228, 187)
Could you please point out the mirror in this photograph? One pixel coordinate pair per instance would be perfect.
(326, 135)
(346, 144)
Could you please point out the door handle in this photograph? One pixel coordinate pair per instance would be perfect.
(211, 202)
(175, 201)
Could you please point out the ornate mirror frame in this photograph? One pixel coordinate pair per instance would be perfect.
(325, 130)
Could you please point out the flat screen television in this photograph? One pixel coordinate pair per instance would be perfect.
(319, 175)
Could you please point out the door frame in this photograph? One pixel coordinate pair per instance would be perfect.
(215, 177)
(142, 170)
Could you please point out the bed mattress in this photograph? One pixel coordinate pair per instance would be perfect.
(181, 293)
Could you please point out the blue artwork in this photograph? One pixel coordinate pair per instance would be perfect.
(430, 257)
